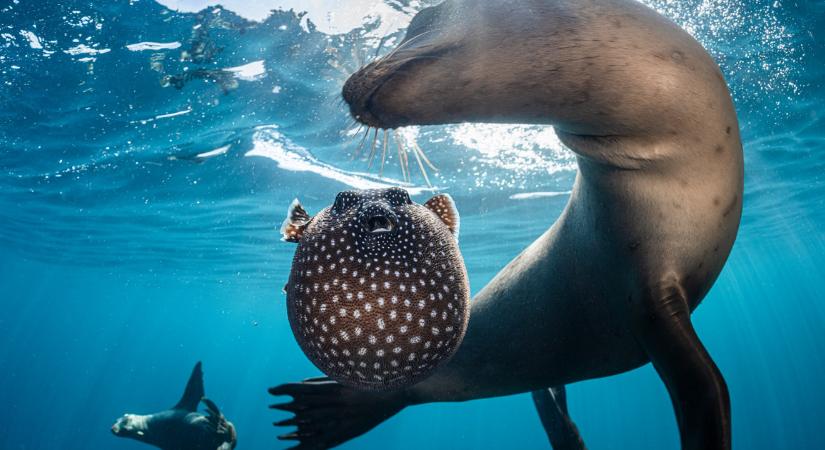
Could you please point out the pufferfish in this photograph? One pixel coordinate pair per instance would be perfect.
(378, 296)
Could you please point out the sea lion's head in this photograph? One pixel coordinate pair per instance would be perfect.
(378, 295)
(462, 60)
(130, 426)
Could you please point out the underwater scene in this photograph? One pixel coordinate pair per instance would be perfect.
(170, 174)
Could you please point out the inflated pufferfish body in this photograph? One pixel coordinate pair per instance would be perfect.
(378, 295)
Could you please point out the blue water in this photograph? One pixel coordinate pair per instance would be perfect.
(125, 257)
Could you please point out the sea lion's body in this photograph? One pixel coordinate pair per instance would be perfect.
(182, 427)
(653, 213)
(179, 429)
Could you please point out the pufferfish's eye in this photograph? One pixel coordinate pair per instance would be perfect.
(397, 196)
(344, 200)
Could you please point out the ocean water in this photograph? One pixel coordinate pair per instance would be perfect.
(149, 151)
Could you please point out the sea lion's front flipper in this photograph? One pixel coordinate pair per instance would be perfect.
(551, 404)
(697, 389)
(328, 413)
(193, 393)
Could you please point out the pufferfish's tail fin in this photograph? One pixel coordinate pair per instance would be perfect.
(328, 413)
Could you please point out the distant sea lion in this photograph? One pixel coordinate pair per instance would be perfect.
(378, 295)
(182, 427)
(652, 217)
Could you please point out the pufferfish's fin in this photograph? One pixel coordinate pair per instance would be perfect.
(296, 221)
(444, 207)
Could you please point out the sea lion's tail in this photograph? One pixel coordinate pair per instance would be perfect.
(328, 413)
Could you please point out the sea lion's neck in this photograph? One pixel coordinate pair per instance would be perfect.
(140, 428)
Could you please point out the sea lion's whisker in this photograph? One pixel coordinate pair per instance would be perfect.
(419, 53)
(372, 151)
(383, 154)
(354, 135)
(415, 153)
(420, 151)
(404, 157)
(380, 44)
(405, 45)
(361, 144)
(336, 64)
(401, 62)
(401, 158)
(406, 162)
(343, 71)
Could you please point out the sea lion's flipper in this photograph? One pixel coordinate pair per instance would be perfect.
(193, 393)
(296, 221)
(213, 414)
(551, 404)
(215, 417)
(328, 413)
(211, 408)
(697, 389)
(219, 425)
(444, 207)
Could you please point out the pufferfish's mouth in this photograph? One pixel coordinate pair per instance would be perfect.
(379, 224)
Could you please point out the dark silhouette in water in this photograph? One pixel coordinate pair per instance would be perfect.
(221, 77)
(182, 427)
(652, 217)
(203, 51)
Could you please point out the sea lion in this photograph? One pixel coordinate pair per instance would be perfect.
(652, 217)
(182, 427)
(378, 295)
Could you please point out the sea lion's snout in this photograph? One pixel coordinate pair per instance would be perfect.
(354, 90)
(120, 425)
(377, 218)
(358, 91)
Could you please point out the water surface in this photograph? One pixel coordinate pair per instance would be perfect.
(138, 221)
